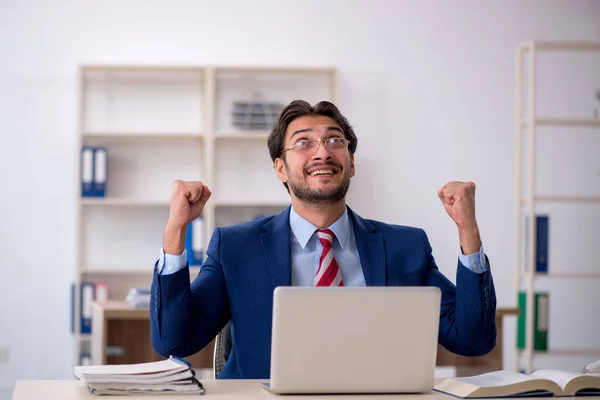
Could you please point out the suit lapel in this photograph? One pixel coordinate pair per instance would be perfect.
(371, 250)
(276, 247)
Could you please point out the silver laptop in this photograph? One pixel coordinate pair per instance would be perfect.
(354, 339)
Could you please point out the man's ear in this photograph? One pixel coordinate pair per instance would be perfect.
(352, 165)
(280, 170)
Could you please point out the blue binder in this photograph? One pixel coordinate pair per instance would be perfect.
(194, 242)
(542, 223)
(541, 245)
(86, 297)
(87, 171)
(100, 171)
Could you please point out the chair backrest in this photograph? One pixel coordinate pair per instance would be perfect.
(223, 344)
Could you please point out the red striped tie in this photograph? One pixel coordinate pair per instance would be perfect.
(329, 273)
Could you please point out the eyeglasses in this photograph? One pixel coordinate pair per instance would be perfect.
(308, 146)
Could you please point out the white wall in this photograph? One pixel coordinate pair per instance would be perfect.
(428, 85)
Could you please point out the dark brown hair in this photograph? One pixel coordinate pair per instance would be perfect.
(301, 108)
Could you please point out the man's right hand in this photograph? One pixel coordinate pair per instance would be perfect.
(187, 203)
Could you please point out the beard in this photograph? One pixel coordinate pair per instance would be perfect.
(322, 196)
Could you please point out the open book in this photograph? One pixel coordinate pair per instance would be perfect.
(170, 376)
(544, 382)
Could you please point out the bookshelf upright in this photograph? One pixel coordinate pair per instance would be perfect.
(544, 120)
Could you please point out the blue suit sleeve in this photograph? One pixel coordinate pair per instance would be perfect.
(185, 317)
(468, 309)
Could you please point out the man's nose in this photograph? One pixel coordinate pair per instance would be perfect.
(322, 152)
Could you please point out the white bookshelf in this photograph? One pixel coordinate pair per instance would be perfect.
(162, 123)
(544, 132)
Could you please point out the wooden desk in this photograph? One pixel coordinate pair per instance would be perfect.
(120, 327)
(215, 389)
(467, 366)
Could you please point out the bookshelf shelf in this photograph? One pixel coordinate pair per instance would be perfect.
(571, 352)
(562, 45)
(123, 202)
(248, 135)
(245, 203)
(565, 275)
(565, 122)
(272, 70)
(554, 275)
(142, 135)
(85, 338)
(565, 199)
(583, 353)
(142, 270)
(103, 68)
(147, 138)
(163, 123)
(530, 153)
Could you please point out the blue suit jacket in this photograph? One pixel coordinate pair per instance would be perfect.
(246, 262)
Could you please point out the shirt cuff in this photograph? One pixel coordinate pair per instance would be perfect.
(169, 263)
(476, 262)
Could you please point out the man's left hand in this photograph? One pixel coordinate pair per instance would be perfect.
(458, 199)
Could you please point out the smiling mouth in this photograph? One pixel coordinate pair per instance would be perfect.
(323, 172)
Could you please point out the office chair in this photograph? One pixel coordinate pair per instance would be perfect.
(223, 344)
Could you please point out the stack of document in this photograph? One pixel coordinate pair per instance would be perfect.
(139, 297)
(171, 376)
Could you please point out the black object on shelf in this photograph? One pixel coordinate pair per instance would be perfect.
(255, 114)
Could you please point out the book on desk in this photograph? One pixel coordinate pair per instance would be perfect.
(542, 383)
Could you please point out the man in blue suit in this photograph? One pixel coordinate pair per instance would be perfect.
(318, 240)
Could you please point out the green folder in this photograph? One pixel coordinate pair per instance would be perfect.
(540, 325)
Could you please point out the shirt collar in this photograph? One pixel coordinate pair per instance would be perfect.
(304, 230)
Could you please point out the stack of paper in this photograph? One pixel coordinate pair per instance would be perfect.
(170, 376)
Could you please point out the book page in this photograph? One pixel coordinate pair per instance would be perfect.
(572, 382)
(496, 384)
(182, 386)
(144, 378)
(560, 377)
(495, 379)
(127, 369)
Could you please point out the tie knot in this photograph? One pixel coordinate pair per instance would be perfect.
(325, 237)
